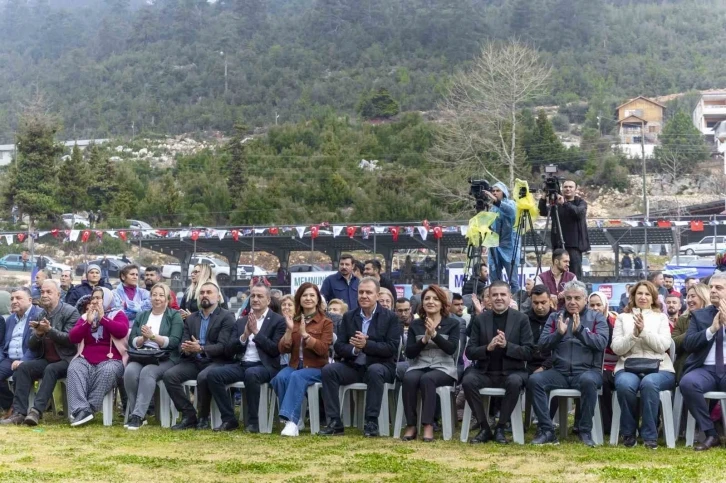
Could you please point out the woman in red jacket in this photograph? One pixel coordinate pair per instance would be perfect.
(101, 337)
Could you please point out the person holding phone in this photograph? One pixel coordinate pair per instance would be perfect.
(641, 333)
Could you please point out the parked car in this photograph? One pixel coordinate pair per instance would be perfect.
(304, 267)
(139, 225)
(245, 272)
(70, 220)
(15, 262)
(683, 260)
(705, 246)
(52, 265)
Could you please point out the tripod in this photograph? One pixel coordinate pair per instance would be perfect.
(525, 224)
(554, 215)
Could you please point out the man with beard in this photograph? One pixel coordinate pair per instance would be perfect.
(538, 315)
(152, 276)
(475, 284)
(557, 276)
(342, 285)
(577, 338)
(206, 334)
(673, 308)
(255, 340)
(50, 341)
(403, 312)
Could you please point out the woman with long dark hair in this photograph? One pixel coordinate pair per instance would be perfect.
(307, 339)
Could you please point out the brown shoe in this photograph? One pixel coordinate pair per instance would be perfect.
(708, 443)
(14, 419)
(32, 418)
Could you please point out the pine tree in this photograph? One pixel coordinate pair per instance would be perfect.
(72, 189)
(101, 177)
(682, 146)
(545, 147)
(236, 164)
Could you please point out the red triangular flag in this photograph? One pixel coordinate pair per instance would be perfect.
(438, 232)
(350, 231)
(314, 232)
(235, 235)
(697, 225)
(21, 237)
(85, 235)
(394, 233)
(122, 235)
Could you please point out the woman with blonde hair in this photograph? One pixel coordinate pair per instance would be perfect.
(201, 274)
(385, 298)
(697, 297)
(641, 339)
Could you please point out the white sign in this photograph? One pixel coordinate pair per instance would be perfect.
(456, 279)
(299, 278)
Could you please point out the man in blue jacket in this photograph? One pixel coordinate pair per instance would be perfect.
(342, 285)
(501, 257)
(15, 344)
(704, 369)
(577, 338)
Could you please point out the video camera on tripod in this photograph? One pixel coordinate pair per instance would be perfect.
(477, 191)
(551, 186)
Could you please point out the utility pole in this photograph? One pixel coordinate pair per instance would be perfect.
(645, 198)
(225, 71)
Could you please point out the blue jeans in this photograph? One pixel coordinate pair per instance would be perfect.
(628, 385)
(290, 385)
(498, 266)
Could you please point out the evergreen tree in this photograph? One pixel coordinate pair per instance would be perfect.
(72, 189)
(101, 176)
(544, 147)
(378, 104)
(682, 146)
(236, 164)
(33, 176)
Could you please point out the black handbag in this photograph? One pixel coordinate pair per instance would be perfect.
(642, 366)
(148, 355)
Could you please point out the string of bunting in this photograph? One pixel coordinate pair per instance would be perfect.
(364, 231)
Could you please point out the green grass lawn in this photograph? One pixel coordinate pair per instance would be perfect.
(56, 452)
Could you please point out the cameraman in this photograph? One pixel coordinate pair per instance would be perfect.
(572, 212)
(501, 258)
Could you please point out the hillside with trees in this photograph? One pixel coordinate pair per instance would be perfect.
(123, 67)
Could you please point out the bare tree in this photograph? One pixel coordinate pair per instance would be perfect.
(478, 131)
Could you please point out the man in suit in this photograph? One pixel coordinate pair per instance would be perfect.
(17, 335)
(49, 340)
(367, 344)
(577, 338)
(255, 343)
(204, 339)
(704, 369)
(499, 346)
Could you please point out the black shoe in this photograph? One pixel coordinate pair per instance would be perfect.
(203, 423)
(82, 418)
(485, 434)
(630, 441)
(252, 428)
(335, 428)
(587, 439)
(708, 443)
(499, 436)
(650, 444)
(370, 430)
(437, 427)
(413, 436)
(227, 426)
(186, 423)
(545, 437)
(134, 423)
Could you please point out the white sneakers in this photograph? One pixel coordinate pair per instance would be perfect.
(290, 429)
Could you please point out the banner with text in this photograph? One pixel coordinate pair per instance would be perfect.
(456, 278)
(299, 278)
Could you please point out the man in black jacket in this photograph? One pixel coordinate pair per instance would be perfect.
(373, 268)
(704, 369)
(572, 211)
(206, 334)
(538, 315)
(499, 346)
(367, 344)
(50, 342)
(255, 343)
(475, 284)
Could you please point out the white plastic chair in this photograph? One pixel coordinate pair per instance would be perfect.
(565, 394)
(263, 412)
(691, 423)
(31, 394)
(517, 423)
(106, 406)
(162, 408)
(666, 402)
(446, 395)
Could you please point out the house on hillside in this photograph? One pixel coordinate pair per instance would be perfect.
(638, 117)
(709, 112)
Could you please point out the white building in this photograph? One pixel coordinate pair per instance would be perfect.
(7, 151)
(710, 110)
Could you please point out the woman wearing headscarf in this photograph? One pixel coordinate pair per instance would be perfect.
(158, 328)
(201, 274)
(598, 301)
(132, 298)
(101, 335)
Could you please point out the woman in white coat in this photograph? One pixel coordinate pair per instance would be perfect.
(642, 334)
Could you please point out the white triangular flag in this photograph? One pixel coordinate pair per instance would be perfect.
(9, 239)
(423, 232)
(221, 234)
(463, 229)
(184, 234)
(380, 229)
(112, 233)
(42, 233)
(681, 223)
(337, 230)
(259, 231)
(300, 230)
(74, 235)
